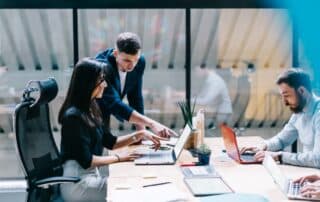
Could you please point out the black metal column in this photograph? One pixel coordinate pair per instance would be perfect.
(188, 56)
(75, 36)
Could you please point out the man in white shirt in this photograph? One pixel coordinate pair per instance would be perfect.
(214, 94)
(295, 89)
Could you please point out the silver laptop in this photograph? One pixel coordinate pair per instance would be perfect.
(287, 186)
(164, 157)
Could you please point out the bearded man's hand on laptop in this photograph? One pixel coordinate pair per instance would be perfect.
(253, 149)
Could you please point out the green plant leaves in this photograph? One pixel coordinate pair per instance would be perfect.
(187, 112)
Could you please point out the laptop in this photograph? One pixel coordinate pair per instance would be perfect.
(232, 149)
(287, 186)
(164, 157)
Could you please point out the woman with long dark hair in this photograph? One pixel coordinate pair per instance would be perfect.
(83, 136)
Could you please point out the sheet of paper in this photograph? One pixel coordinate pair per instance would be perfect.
(160, 193)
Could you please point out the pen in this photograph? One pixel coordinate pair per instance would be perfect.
(187, 164)
(156, 184)
(190, 164)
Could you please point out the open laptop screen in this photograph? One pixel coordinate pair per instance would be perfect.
(182, 140)
(275, 172)
(230, 142)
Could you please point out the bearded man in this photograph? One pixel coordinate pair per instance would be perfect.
(296, 92)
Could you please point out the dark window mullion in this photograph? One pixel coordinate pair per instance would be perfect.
(188, 55)
(75, 36)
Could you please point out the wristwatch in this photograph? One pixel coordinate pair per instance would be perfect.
(280, 157)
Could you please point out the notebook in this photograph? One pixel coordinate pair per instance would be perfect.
(205, 186)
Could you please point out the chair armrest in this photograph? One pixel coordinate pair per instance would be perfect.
(45, 183)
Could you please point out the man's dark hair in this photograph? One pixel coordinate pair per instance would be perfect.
(128, 43)
(295, 78)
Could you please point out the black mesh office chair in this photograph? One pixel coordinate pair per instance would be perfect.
(38, 152)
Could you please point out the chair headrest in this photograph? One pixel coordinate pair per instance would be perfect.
(43, 91)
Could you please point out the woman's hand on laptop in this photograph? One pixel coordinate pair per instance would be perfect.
(308, 178)
(126, 155)
(311, 191)
(153, 138)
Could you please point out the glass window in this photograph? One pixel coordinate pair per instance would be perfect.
(34, 44)
(162, 32)
(236, 57)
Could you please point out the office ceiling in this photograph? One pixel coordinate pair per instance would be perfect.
(43, 39)
(143, 4)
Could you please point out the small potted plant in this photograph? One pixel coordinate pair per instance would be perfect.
(204, 153)
(188, 113)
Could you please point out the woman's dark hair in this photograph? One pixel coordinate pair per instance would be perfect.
(84, 80)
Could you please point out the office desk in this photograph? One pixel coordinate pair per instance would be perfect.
(253, 178)
(124, 174)
(7, 108)
(241, 178)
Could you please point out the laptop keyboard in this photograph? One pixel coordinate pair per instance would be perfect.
(294, 188)
(247, 158)
(161, 158)
(156, 157)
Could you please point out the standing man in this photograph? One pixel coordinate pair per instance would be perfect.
(296, 92)
(125, 71)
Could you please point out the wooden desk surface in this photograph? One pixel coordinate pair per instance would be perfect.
(241, 178)
(7, 108)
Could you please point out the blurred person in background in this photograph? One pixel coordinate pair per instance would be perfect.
(214, 94)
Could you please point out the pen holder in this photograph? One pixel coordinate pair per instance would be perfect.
(204, 153)
(204, 158)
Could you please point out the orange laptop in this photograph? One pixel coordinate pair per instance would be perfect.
(231, 145)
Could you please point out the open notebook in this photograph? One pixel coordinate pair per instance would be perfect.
(204, 181)
(205, 186)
